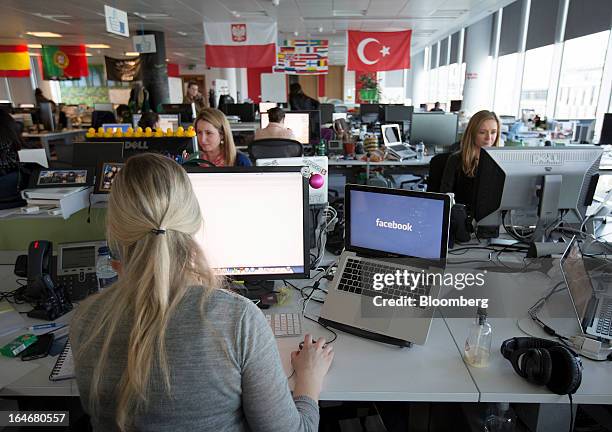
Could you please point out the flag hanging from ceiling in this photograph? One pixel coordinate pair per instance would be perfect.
(378, 51)
(64, 62)
(303, 57)
(14, 61)
(240, 45)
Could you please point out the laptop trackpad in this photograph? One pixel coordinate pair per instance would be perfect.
(371, 317)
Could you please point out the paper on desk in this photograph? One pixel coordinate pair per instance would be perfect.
(11, 369)
(10, 319)
(38, 156)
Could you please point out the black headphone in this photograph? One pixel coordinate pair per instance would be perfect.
(544, 362)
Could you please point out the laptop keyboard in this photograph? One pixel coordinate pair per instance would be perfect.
(358, 276)
(285, 324)
(605, 318)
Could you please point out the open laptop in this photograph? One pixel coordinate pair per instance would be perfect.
(593, 307)
(387, 230)
(392, 139)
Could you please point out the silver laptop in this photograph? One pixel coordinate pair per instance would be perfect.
(593, 307)
(388, 230)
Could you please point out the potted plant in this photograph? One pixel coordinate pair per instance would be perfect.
(370, 90)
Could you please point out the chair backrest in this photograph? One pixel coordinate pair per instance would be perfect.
(436, 171)
(98, 118)
(275, 148)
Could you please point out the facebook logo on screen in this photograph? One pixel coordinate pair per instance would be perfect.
(404, 225)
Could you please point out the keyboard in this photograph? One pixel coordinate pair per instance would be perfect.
(358, 278)
(79, 286)
(285, 324)
(604, 326)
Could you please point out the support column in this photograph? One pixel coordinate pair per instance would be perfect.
(419, 90)
(155, 72)
(477, 93)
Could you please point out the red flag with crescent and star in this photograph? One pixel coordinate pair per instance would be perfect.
(378, 51)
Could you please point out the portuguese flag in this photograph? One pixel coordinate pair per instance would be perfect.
(14, 61)
(64, 62)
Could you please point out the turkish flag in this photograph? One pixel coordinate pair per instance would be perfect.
(378, 51)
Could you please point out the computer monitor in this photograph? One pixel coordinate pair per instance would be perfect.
(298, 122)
(246, 111)
(272, 243)
(104, 107)
(606, 130)
(169, 121)
(92, 154)
(46, 116)
(455, 105)
(327, 112)
(370, 113)
(265, 106)
(437, 131)
(187, 112)
(6, 105)
(398, 113)
(544, 183)
(114, 126)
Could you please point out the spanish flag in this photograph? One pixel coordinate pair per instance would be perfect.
(14, 61)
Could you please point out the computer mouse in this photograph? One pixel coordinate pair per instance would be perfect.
(301, 345)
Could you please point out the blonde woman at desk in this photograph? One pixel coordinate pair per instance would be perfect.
(215, 140)
(483, 130)
(165, 348)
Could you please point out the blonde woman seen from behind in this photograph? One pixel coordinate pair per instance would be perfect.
(165, 348)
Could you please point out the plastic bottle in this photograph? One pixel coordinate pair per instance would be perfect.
(478, 343)
(420, 150)
(500, 418)
(104, 270)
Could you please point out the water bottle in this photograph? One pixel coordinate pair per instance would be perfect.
(104, 270)
(500, 419)
(478, 344)
(322, 148)
(420, 150)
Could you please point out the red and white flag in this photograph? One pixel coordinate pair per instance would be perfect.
(240, 45)
(378, 51)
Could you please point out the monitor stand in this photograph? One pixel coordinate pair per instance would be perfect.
(253, 290)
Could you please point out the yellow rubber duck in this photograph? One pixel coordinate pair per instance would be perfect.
(158, 133)
(91, 132)
(180, 131)
(129, 132)
(148, 132)
(138, 133)
(118, 133)
(169, 132)
(190, 133)
(100, 133)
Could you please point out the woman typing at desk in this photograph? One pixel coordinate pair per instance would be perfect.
(461, 167)
(215, 139)
(165, 348)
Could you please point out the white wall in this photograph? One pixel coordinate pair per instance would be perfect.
(349, 87)
(175, 86)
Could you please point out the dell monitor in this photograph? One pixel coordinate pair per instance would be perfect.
(246, 111)
(265, 106)
(548, 184)
(327, 111)
(437, 131)
(169, 121)
(298, 122)
(274, 244)
(187, 112)
(114, 126)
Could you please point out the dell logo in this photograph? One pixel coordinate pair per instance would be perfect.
(136, 145)
(546, 159)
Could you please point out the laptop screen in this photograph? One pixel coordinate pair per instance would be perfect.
(577, 280)
(395, 222)
(391, 134)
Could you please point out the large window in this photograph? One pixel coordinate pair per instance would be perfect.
(581, 73)
(507, 84)
(456, 79)
(442, 95)
(536, 79)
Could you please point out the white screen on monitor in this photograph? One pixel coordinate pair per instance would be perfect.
(265, 106)
(336, 116)
(391, 134)
(168, 121)
(253, 222)
(297, 122)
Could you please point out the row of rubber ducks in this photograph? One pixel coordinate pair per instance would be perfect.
(139, 133)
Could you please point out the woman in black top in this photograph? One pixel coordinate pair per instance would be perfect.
(10, 143)
(460, 170)
(299, 101)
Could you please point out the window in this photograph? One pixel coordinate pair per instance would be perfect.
(432, 91)
(442, 85)
(456, 79)
(536, 78)
(507, 81)
(581, 74)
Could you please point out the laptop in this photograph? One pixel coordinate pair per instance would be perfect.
(387, 230)
(593, 307)
(392, 139)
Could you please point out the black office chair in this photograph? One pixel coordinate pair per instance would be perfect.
(98, 118)
(275, 148)
(436, 171)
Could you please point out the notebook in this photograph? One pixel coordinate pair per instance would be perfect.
(64, 366)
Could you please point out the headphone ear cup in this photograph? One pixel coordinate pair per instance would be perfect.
(537, 366)
(566, 374)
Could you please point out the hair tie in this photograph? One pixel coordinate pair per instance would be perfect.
(158, 231)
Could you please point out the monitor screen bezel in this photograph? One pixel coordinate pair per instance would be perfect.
(305, 216)
(401, 192)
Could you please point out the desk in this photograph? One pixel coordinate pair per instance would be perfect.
(351, 168)
(66, 136)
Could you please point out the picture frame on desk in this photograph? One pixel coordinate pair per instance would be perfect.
(45, 178)
(108, 172)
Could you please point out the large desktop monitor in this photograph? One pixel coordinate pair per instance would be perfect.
(437, 131)
(187, 112)
(398, 113)
(544, 184)
(265, 106)
(298, 122)
(166, 121)
(272, 242)
(327, 111)
(246, 111)
(370, 113)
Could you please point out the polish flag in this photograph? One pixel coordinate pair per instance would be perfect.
(240, 45)
(378, 51)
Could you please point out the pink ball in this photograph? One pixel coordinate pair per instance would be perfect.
(316, 181)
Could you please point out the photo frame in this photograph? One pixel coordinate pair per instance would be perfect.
(108, 171)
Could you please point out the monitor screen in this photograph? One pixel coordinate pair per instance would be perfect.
(187, 112)
(404, 223)
(435, 130)
(78, 257)
(398, 113)
(577, 279)
(391, 134)
(246, 111)
(272, 242)
(114, 126)
(605, 136)
(327, 112)
(265, 106)
(298, 122)
(169, 121)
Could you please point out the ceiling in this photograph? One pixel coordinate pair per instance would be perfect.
(181, 21)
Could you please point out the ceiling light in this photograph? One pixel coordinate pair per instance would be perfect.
(182, 33)
(35, 46)
(44, 34)
(53, 17)
(348, 13)
(98, 46)
(320, 29)
(131, 54)
(151, 15)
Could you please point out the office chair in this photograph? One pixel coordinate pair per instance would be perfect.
(436, 171)
(98, 118)
(275, 148)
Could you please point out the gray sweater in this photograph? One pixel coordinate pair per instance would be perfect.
(226, 372)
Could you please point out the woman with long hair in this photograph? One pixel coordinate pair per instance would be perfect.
(215, 140)
(460, 171)
(164, 347)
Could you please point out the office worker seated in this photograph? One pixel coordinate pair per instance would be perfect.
(215, 139)
(165, 348)
(436, 108)
(276, 126)
(461, 167)
(149, 119)
(10, 143)
(298, 100)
